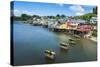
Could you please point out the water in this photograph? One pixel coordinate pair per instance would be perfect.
(31, 41)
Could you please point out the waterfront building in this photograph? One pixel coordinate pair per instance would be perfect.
(93, 20)
(84, 28)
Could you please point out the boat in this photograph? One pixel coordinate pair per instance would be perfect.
(77, 36)
(71, 39)
(49, 54)
(72, 43)
(64, 46)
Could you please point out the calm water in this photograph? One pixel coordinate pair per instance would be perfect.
(31, 41)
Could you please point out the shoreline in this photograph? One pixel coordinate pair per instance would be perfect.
(93, 38)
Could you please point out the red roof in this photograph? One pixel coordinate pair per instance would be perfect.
(84, 28)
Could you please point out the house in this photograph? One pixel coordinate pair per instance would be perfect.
(93, 20)
(84, 28)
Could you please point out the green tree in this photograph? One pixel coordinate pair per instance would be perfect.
(95, 10)
(25, 17)
(36, 16)
(63, 16)
(58, 16)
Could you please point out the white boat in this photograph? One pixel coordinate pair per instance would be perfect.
(72, 42)
(64, 46)
(71, 39)
(50, 54)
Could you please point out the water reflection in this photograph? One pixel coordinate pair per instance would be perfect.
(63, 51)
(49, 61)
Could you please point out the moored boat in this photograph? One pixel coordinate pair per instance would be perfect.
(64, 46)
(71, 39)
(72, 43)
(77, 36)
(49, 54)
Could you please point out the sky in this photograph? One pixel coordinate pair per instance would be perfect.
(49, 9)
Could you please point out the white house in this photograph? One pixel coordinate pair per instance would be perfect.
(93, 20)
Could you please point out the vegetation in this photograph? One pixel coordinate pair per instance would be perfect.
(88, 15)
(94, 33)
(60, 16)
(95, 10)
(36, 16)
(23, 17)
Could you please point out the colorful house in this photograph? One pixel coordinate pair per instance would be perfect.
(84, 28)
(71, 25)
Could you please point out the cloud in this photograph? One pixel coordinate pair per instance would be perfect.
(79, 13)
(18, 12)
(77, 9)
(26, 12)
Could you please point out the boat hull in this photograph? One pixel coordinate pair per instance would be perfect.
(63, 47)
(50, 56)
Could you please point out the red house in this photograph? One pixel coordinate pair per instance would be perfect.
(84, 28)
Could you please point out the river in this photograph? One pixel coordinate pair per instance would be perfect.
(31, 41)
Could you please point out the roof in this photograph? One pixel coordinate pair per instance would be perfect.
(84, 28)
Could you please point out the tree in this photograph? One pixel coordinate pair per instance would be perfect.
(36, 16)
(58, 16)
(85, 16)
(95, 10)
(25, 17)
(63, 16)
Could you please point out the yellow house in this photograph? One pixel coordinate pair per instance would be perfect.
(67, 26)
(63, 26)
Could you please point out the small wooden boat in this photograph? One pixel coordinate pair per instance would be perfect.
(50, 54)
(71, 39)
(64, 46)
(72, 43)
(77, 36)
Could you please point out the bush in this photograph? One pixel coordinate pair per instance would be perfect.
(94, 33)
